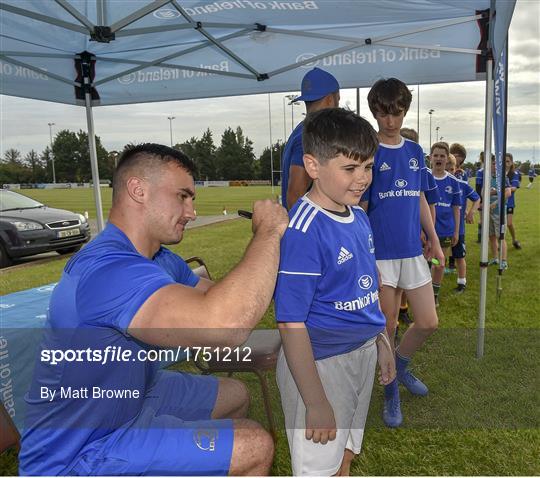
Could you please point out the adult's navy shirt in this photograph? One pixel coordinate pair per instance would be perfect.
(293, 155)
(100, 291)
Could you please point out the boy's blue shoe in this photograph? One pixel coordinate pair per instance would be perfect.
(504, 265)
(412, 384)
(406, 378)
(392, 416)
(493, 262)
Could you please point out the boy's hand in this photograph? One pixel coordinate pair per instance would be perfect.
(433, 250)
(385, 357)
(320, 423)
(455, 239)
(469, 218)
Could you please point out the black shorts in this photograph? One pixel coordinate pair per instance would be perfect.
(510, 210)
(445, 242)
(459, 251)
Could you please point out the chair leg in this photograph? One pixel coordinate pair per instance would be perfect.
(267, 404)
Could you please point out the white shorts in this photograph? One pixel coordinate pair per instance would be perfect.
(407, 274)
(347, 380)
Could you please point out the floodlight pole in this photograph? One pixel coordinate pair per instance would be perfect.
(418, 112)
(52, 155)
(437, 134)
(430, 112)
(290, 98)
(170, 118)
(86, 66)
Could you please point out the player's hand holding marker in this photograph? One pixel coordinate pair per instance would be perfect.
(320, 422)
(386, 360)
(269, 217)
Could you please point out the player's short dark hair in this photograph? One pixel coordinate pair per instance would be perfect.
(333, 131)
(457, 148)
(148, 157)
(389, 96)
(482, 157)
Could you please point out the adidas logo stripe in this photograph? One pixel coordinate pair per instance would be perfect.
(344, 255)
(385, 167)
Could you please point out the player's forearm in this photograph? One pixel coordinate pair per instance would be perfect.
(301, 362)
(242, 297)
(425, 219)
(457, 214)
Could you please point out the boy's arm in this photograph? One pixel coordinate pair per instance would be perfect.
(433, 248)
(320, 421)
(469, 215)
(299, 182)
(457, 211)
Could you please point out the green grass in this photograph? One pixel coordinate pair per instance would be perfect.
(481, 417)
(209, 201)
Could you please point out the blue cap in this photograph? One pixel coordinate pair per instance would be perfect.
(317, 84)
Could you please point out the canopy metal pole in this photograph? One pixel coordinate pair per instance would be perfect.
(92, 144)
(271, 145)
(486, 189)
(358, 101)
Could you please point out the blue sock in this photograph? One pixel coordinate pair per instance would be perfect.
(401, 363)
(391, 390)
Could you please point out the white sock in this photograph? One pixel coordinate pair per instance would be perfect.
(462, 280)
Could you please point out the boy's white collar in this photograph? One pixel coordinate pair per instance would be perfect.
(394, 146)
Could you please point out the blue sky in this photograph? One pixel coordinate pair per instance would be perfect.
(459, 109)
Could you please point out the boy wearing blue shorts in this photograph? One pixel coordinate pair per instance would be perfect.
(398, 211)
(459, 250)
(326, 300)
(448, 207)
(513, 176)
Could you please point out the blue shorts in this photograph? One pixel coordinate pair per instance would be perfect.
(173, 435)
(459, 251)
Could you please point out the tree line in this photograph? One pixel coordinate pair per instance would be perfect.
(232, 159)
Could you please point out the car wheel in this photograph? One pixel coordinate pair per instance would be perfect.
(5, 260)
(68, 250)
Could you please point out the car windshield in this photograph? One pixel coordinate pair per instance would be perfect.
(11, 200)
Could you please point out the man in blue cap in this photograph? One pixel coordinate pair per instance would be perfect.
(319, 90)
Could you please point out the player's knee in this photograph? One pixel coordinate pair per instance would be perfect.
(253, 450)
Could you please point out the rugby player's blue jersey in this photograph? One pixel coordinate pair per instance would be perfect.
(328, 278)
(399, 175)
(514, 183)
(432, 195)
(467, 192)
(449, 196)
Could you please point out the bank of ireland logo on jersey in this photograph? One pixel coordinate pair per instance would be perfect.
(365, 282)
(400, 183)
(413, 164)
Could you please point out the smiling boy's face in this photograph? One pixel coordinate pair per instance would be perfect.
(338, 182)
(438, 160)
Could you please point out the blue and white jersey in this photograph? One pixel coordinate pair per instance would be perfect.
(431, 192)
(514, 183)
(467, 192)
(328, 278)
(479, 177)
(449, 196)
(293, 155)
(532, 173)
(394, 199)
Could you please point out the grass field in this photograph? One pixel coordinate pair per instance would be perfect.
(208, 202)
(482, 417)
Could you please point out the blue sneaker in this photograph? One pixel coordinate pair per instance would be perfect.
(504, 265)
(493, 262)
(392, 416)
(411, 383)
